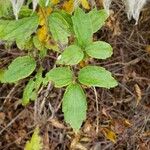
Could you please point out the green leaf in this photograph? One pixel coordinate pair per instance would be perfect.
(82, 27)
(5, 8)
(41, 3)
(99, 50)
(74, 106)
(96, 76)
(20, 68)
(35, 143)
(59, 28)
(98, 18)
(72, 55)
(61, 76)
(11, 30)
(25, 11)
(25, 44)
(31, 90)
(38, 79)
(67, 17)
(40, 46)
(28, 92)
(1, 74)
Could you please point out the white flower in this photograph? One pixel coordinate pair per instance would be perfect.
(34, 2)
(59, 57)
(133, 7)
(16, 4)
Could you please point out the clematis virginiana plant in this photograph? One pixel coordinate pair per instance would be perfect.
(133, 7)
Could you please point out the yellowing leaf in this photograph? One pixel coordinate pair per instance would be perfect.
(54, 2)
(43, 34)
(83, 63)
(109, 134)
(68, 6)
(138, 94)
(127, 123)
(35, 143)
(43, 14)
(85, 4)
(147, 49)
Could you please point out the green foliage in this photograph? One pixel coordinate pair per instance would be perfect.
(61, 76)
(82, 27)
(42, 3)
(5, 8)
(31, 89)
(96, 76)
(1, 74)
(72, 55)
(27, 93)
(25, 44)
(74, 37)
(59, 26)
(12, 30)
(20, 68)
(38, 44)
(74, 106)
(99, 50)
(68, 18)
(98, 18)
(35, 143)
(25, 11)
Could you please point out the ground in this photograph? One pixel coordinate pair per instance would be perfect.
(123, 111)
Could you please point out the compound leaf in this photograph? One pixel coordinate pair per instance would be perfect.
(61, 76)
(72, 55)
(96, 76)
(99, 50)
(74, 106)
(20, 68)
(85, 4)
